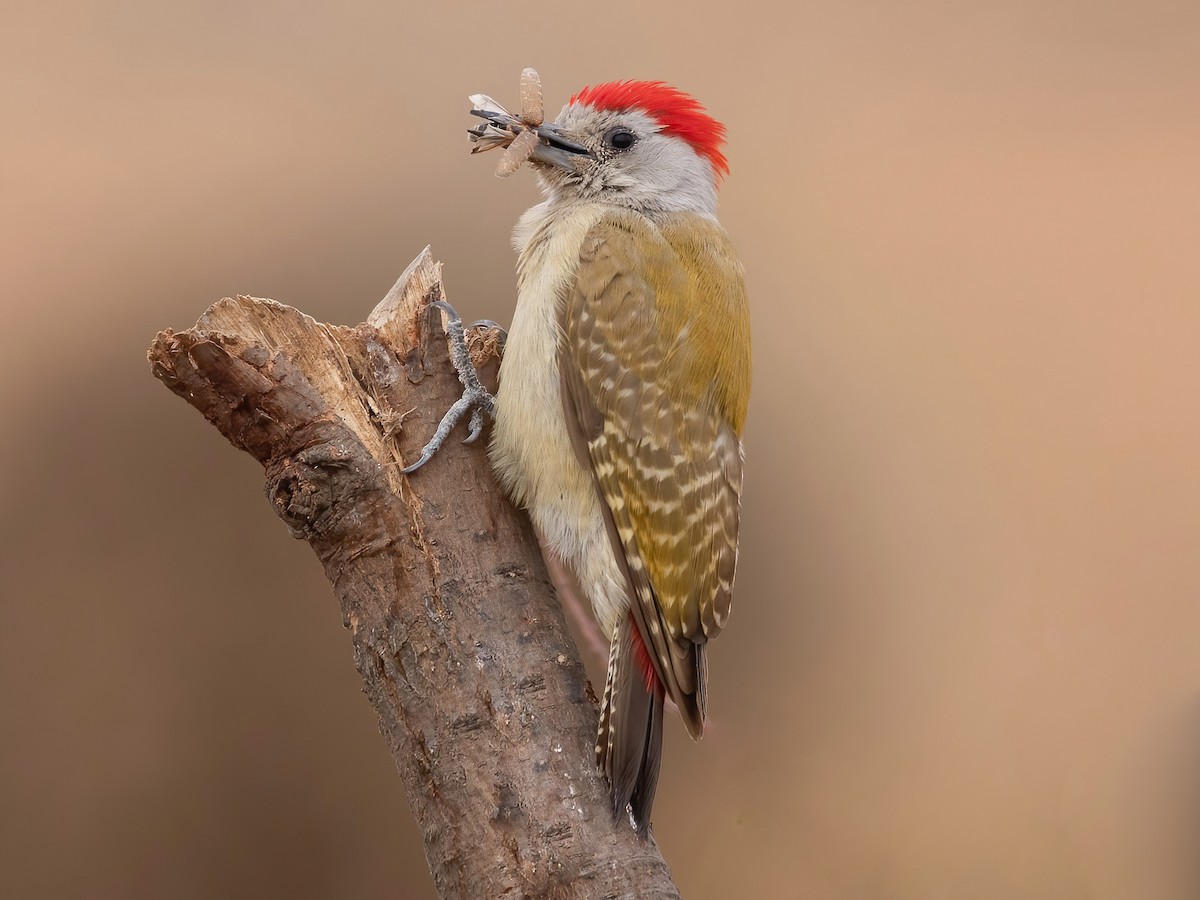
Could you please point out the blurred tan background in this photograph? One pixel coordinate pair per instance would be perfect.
(963, 661)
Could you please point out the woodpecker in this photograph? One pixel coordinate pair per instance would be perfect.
(622, 397)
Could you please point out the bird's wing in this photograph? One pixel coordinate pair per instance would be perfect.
(655, 366)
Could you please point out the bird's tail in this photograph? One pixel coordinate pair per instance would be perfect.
(629, 745)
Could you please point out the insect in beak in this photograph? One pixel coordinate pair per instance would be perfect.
(524, 138)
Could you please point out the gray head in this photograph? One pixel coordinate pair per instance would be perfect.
(643, 145)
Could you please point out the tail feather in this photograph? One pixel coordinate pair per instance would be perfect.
(629, 746)
(643, 791)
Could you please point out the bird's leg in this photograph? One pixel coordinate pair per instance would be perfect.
(475, 397)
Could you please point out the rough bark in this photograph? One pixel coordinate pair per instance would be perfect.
(460, 643)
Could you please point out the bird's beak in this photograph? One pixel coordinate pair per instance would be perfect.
(501, 128)
(556, 150)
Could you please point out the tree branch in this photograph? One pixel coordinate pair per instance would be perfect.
(461, 645)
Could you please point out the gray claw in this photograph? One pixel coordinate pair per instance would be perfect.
(476, 427)
(426, 456)
(474, 397)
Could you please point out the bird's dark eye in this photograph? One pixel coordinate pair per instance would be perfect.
(620, 139)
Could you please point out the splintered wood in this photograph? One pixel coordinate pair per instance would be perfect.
(439, 580)
(516, 134)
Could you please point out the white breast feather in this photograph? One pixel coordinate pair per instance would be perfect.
(531, 448)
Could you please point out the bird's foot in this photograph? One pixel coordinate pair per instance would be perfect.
(475, 397)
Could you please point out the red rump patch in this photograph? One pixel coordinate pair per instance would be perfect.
(678, 113)
(642, 659)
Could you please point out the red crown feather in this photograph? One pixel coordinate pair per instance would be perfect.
(678, 113)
